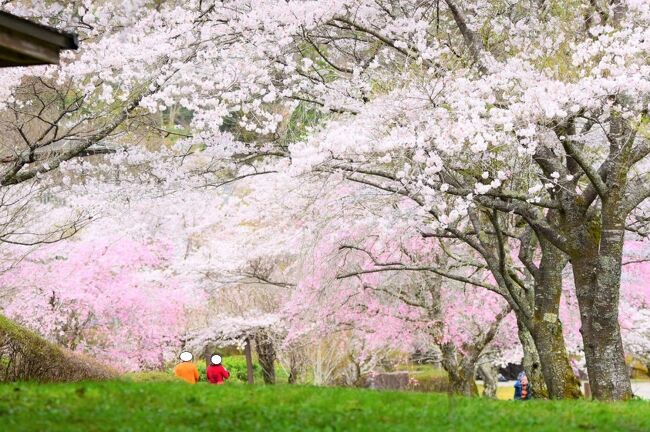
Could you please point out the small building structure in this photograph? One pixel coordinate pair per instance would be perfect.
(25, 43)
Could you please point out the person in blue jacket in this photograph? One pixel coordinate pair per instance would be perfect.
(523, 389)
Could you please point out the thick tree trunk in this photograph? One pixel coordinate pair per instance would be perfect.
(546, 327)
(460, 368)
(461, 381)
(531, 363)
(556, 370)
(461, 371)
(597, 281)
(489, 374)
(462, 385)
(597, 263)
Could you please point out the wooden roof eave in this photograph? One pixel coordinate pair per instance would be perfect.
(24, 43)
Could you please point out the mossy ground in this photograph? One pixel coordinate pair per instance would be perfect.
(176, 406)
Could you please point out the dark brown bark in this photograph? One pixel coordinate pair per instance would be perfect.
(295, 367)
(460, 366)
(462, 382)
(266, 356)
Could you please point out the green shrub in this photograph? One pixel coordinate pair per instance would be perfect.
(236, 365)
(201, 366)
(25, 356)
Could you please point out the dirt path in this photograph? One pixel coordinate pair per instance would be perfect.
(640, 388)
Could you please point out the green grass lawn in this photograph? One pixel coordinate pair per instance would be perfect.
(176, 406)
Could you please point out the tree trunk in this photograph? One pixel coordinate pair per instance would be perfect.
(249, 361)
(294, 368)
(597, 264)
(597, 283)
(546, 327)
(531, 363)
(533, 305)
(207, 355)
(461, 371)
(461, 381)
(556, 369)
(490, 383)
(266, 356)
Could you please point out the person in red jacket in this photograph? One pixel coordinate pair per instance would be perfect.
(216, 373)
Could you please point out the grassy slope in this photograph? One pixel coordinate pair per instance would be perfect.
(175, 406)
(41, 360)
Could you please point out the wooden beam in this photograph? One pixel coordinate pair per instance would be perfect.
(25, 43)
(17, 49)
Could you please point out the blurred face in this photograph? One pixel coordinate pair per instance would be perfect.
(524, 380)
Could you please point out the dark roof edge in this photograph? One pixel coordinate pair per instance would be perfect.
(45, 34)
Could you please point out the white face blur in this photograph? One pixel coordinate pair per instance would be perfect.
(186, 356)
(216, 359)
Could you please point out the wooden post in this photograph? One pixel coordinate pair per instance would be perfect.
(249, 361)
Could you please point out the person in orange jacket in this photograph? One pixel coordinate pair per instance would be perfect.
(216, 373)
(187, 370)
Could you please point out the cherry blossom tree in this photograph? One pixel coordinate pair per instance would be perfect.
(501, 108)
(386, 293)
(113, 298)
(518, 130)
